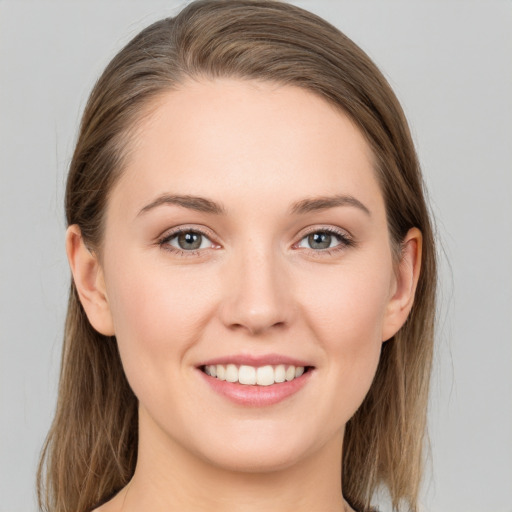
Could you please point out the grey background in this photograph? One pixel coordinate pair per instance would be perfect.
(450, 64)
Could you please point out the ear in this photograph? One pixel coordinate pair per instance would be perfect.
(405, 282)
(89, 282)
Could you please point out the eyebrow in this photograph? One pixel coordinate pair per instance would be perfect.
(200, 204)
(325, 202)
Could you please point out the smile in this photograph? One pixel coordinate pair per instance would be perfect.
(253, 381)
(254, 376)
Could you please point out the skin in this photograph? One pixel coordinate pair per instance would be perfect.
(255, 287)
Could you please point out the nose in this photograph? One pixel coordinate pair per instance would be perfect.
(257, 294)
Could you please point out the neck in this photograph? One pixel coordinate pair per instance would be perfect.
(170, 478)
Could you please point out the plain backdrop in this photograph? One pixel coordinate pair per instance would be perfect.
(450, 63)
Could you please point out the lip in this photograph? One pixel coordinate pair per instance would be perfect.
(252, 395)
(256, 360)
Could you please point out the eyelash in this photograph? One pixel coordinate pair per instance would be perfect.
(345, 241)
(163, 242)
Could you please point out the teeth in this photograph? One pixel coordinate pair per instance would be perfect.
(247, 375)
(231, 373)
(220, 371)
(290, 373)
(265, 376)
(250, 375)
(280, 373)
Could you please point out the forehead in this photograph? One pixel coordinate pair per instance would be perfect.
(218, 138)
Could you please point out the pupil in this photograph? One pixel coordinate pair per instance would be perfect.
(319, 240)
(189, 240)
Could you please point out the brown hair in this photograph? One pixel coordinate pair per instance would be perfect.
(91, 449)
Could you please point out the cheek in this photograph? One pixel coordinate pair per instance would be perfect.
(347, 318)
(349, 305)
(157, 311)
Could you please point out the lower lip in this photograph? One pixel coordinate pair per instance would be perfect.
(257, 396)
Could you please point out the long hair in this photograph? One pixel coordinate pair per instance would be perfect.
(90, 452)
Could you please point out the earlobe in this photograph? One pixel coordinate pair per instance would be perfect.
(407, 276)
(89, 281)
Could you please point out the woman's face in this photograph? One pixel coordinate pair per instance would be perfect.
(247, 239)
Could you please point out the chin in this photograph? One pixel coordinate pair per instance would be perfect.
(259, 447)
(255, 458)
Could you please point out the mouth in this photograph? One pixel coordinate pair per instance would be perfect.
(251, 380)
(247, 375)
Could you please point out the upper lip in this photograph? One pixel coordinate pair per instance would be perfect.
(256, 360)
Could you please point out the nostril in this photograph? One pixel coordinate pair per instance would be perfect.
(255, 328)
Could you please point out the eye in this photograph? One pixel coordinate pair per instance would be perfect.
(187, 240)
(324, 239)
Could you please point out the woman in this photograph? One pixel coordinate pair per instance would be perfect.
(250, 321)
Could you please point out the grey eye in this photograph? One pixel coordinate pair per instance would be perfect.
(320, 240)
(189, 241)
